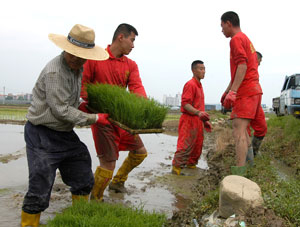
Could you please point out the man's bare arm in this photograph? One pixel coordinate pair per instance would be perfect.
(239, 77)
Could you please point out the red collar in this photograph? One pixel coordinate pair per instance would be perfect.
(112, 56)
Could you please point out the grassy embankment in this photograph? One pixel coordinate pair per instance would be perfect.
(280, 186)
(13, 113)
(103, 214)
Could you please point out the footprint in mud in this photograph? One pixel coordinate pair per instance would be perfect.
(6, 158)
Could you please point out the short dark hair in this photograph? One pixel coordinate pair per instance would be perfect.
(232, 17)
(196, 63)
(125, 29)
(259, 55)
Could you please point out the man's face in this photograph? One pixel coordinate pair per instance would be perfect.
(199, 71)
(226, 28)
(127, 43)
(74, 62)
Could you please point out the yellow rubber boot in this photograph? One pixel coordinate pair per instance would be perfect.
(102, 179)
(132, 161)
(79, 197)
(191, 166)
(176, 170)
(30, 220)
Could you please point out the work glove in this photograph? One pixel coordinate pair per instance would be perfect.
(102, 118)
(223, 97)
(82, 107)
(229, 100)
(207, 126)
(203, 116)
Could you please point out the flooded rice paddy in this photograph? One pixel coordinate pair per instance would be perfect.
(149, 186)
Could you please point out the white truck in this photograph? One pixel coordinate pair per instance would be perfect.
(289, 100)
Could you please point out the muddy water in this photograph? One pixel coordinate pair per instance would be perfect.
(150, 185)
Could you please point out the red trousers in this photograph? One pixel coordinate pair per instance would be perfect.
(258, 124)
(190, 141)
(250, 108)
(110, 139)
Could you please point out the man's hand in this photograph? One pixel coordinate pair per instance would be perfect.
(207, 126)
(102, 118)
(223, 97)
(229, 100)
(203, 116)
(82, 107)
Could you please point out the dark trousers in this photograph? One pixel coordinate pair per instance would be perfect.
(48, 150)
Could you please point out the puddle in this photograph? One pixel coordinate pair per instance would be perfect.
(150, 186)
(11, 138)
(284, 172)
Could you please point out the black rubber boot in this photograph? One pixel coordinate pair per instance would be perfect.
(256, 142)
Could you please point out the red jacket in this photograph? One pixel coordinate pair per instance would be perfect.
(116, 71)
(192, 94)
(243, 52)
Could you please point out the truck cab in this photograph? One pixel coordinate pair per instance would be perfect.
(289, 101)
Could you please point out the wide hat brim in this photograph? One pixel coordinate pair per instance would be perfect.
(95, 53)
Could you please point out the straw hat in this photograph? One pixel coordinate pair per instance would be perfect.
(80, 42)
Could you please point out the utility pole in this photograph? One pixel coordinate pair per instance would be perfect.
(3, 102)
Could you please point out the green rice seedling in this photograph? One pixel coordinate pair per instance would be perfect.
(103, 214)
(127, 108)
(7, 113)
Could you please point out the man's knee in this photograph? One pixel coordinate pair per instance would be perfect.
(141, 150)
(110, 165)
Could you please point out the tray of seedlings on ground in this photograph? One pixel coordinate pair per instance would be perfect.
(129, 111)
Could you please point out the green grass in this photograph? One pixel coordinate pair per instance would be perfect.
(83, 214)
(209, 202)
(279, 194)
(283, 140)
(129, 109)
(10, 113)
(172, 117)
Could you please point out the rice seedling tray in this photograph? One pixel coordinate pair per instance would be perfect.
(131, 131)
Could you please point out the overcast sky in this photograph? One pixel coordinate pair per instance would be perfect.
(172, 34)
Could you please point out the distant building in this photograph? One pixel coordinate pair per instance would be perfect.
(210, 107)
(172, 101)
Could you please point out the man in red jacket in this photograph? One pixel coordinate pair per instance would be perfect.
(192, 121)
(243, 93)
(110, 139)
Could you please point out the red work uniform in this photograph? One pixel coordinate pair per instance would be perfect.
(248, 101)
(190, 130)
(111, 139)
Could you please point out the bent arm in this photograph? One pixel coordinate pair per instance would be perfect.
(191, 109)
(63, 101)
(239, 77)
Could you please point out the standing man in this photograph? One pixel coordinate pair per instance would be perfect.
(51, 143)
(243, 93)
(110, 139)
(259, 125)
(192, 121)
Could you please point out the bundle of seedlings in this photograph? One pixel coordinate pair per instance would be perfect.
(129, 111)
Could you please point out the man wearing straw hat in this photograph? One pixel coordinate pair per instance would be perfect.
(51, 143)
(109, 139)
